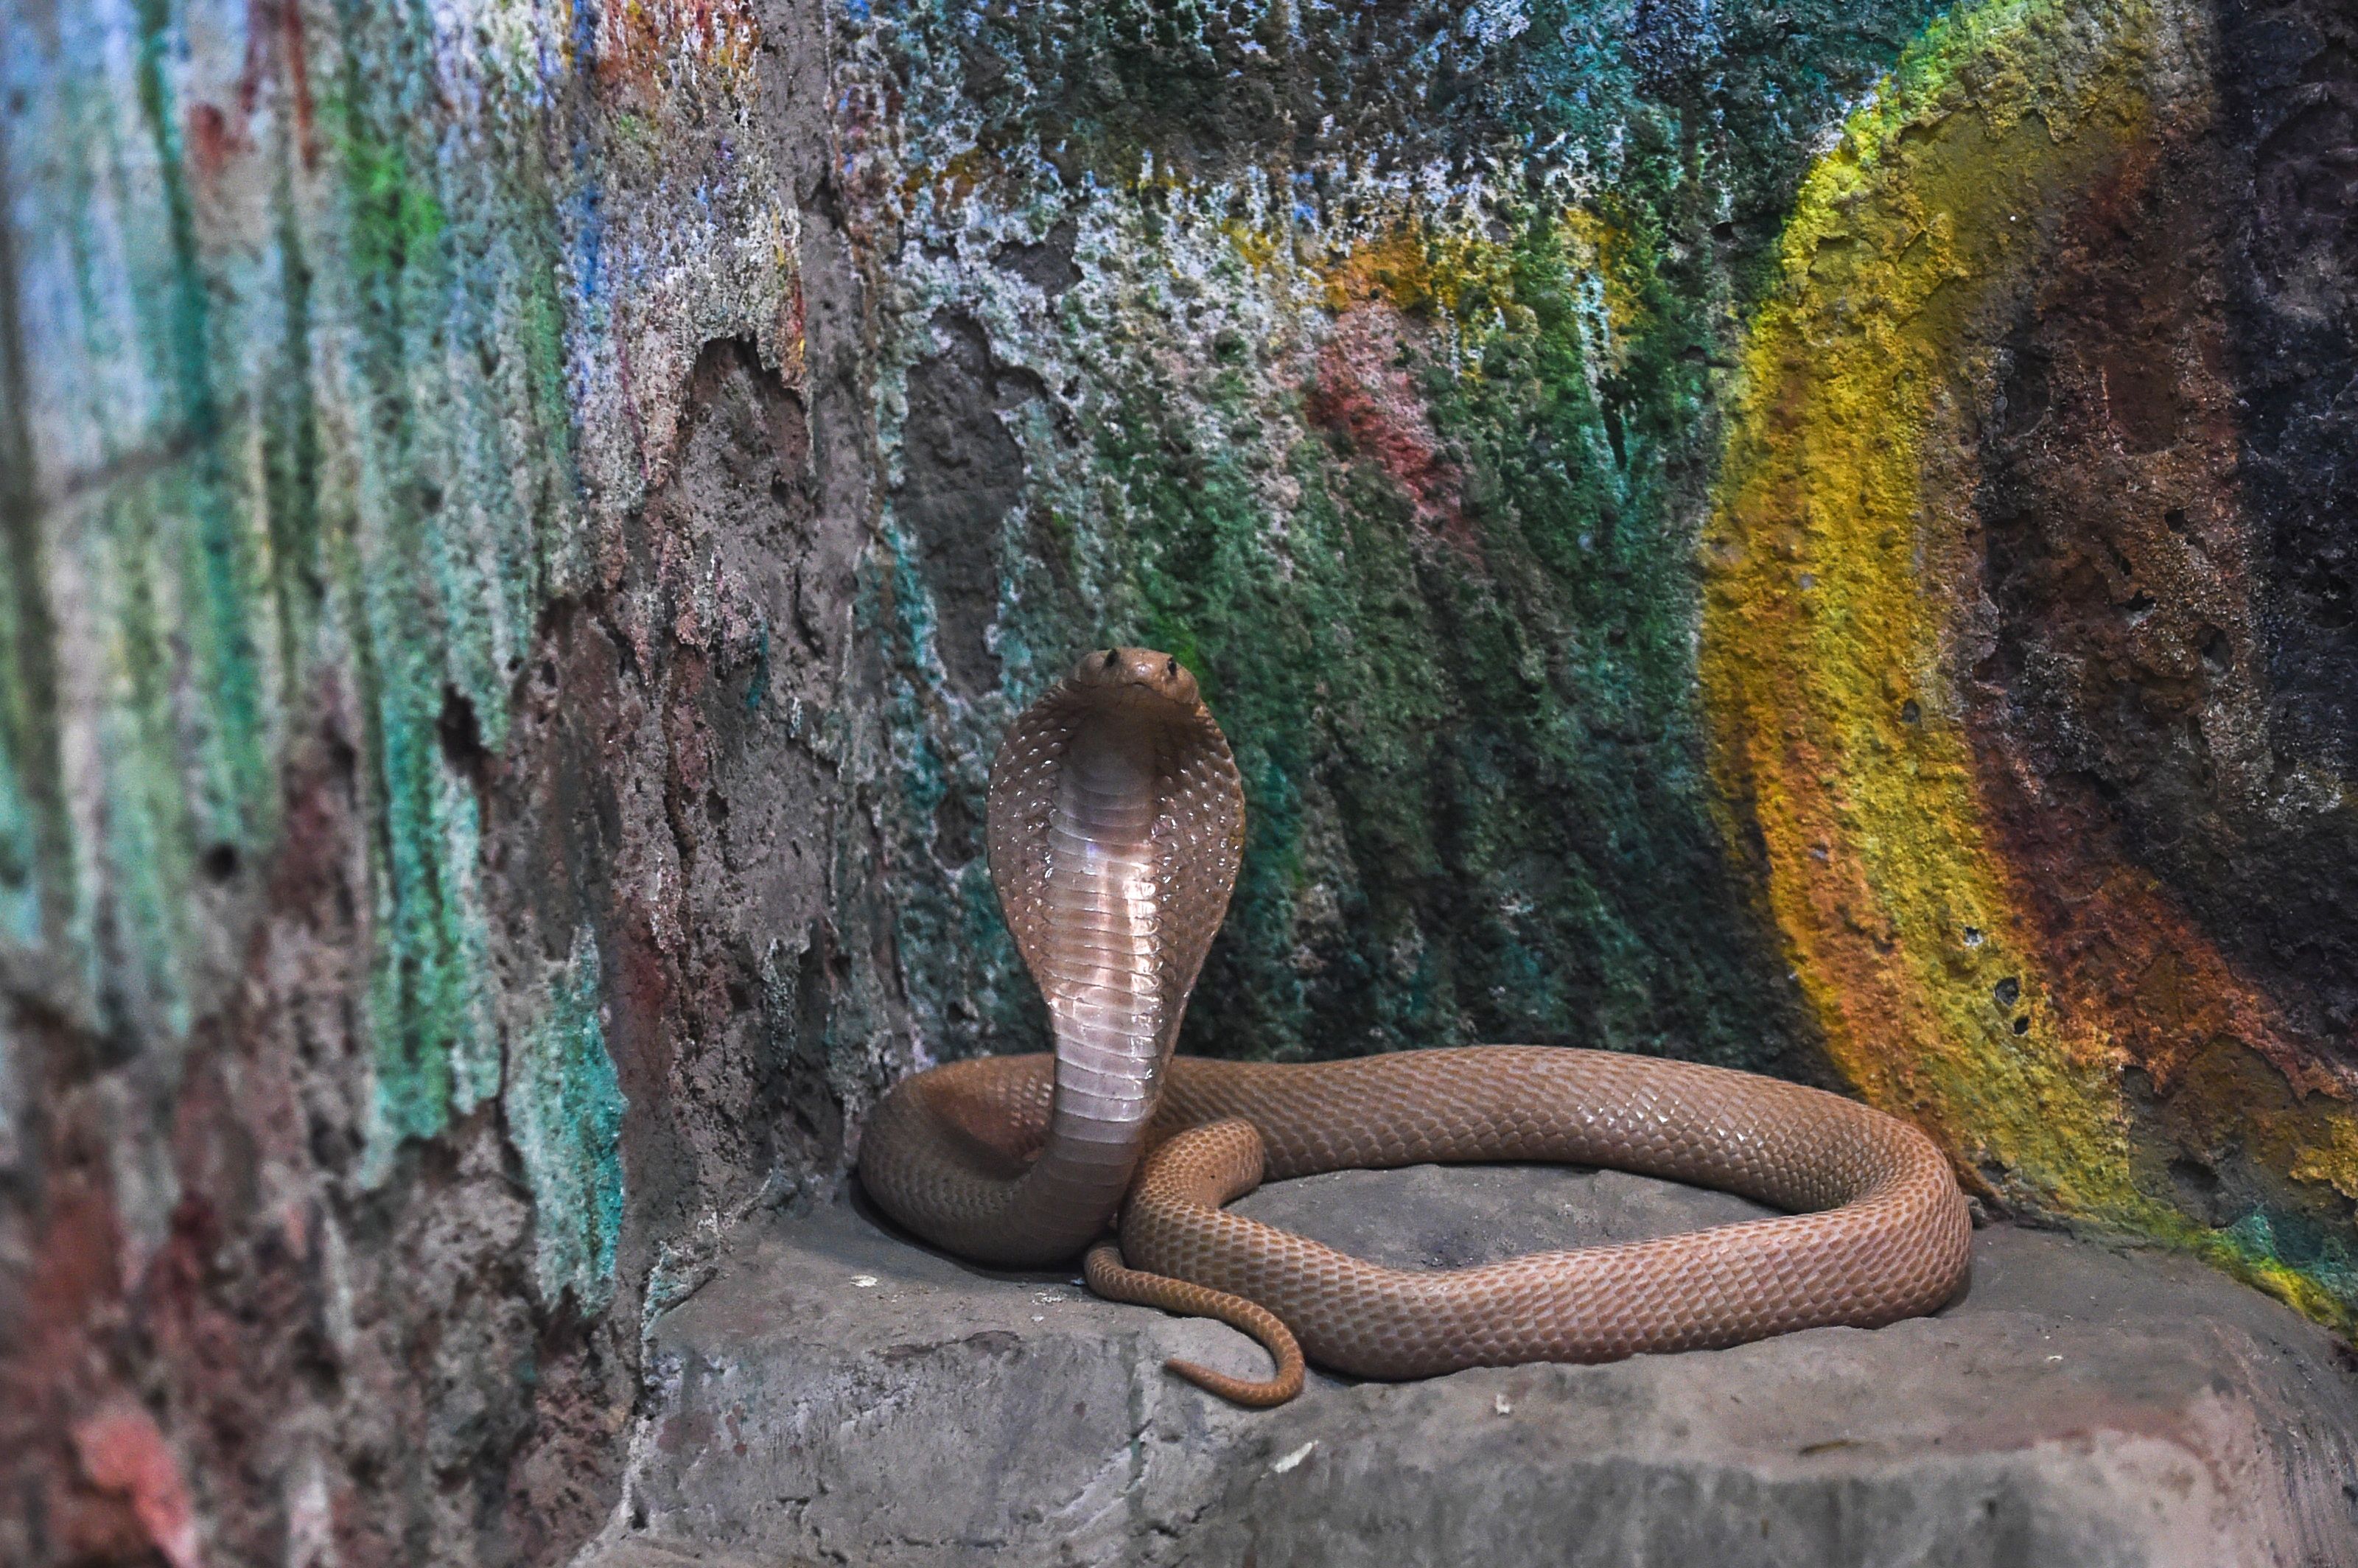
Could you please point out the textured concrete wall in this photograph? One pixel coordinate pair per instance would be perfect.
(1814, 536)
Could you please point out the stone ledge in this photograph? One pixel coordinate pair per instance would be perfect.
(2078, 1408)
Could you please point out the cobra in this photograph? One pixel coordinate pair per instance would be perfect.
(1116, 825)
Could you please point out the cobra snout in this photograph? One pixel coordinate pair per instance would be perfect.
(1147, 672)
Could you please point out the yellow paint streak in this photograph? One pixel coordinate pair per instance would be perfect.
(1844, 504)
(1392, 268)
(1260, 247)
(1471, 279)
(1608, 252)
(2331, 1158)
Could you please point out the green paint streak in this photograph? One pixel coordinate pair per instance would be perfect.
(395, 219)
(540, 331)
(1477, 802)
(34, 848)
(1464, 704)
(149, 826)
(564, 1109)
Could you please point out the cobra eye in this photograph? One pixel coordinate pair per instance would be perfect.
(1170, 668)
(1113, 658)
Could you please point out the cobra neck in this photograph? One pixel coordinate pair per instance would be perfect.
(1103, 977)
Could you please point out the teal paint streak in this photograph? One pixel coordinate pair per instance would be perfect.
(22, 723)
(429, 1014)
(465, 468)
(234, 748)
(426, 1015)
(564, 1109)
(20, 891)
(335, 432)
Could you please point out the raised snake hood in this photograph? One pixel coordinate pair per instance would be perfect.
(1117, 824)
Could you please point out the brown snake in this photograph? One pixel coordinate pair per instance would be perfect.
(1116, 825)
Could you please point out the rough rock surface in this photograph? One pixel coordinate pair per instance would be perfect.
(521, 525)
(836, 1394)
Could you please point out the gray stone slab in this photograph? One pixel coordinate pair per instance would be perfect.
(838, 1395)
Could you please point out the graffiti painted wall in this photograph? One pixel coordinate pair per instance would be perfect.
(1813, 537)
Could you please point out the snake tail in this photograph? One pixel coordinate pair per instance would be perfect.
(1109, 1277)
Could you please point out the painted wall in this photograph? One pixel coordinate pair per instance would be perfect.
(1816, 537)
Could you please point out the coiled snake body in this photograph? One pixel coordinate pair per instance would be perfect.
(1116, 824)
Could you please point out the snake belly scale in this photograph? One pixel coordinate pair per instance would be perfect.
(1115, 826)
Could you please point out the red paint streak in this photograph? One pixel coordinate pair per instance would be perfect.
(636, 41)
(299, 77)
(2131, 424)
(212, 140)
(686, 733)
(792, 326)
(74, 1281)
(639, 1036)
(274, 28)
(123, 1451)
(55, 1359)
(1363, 394)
